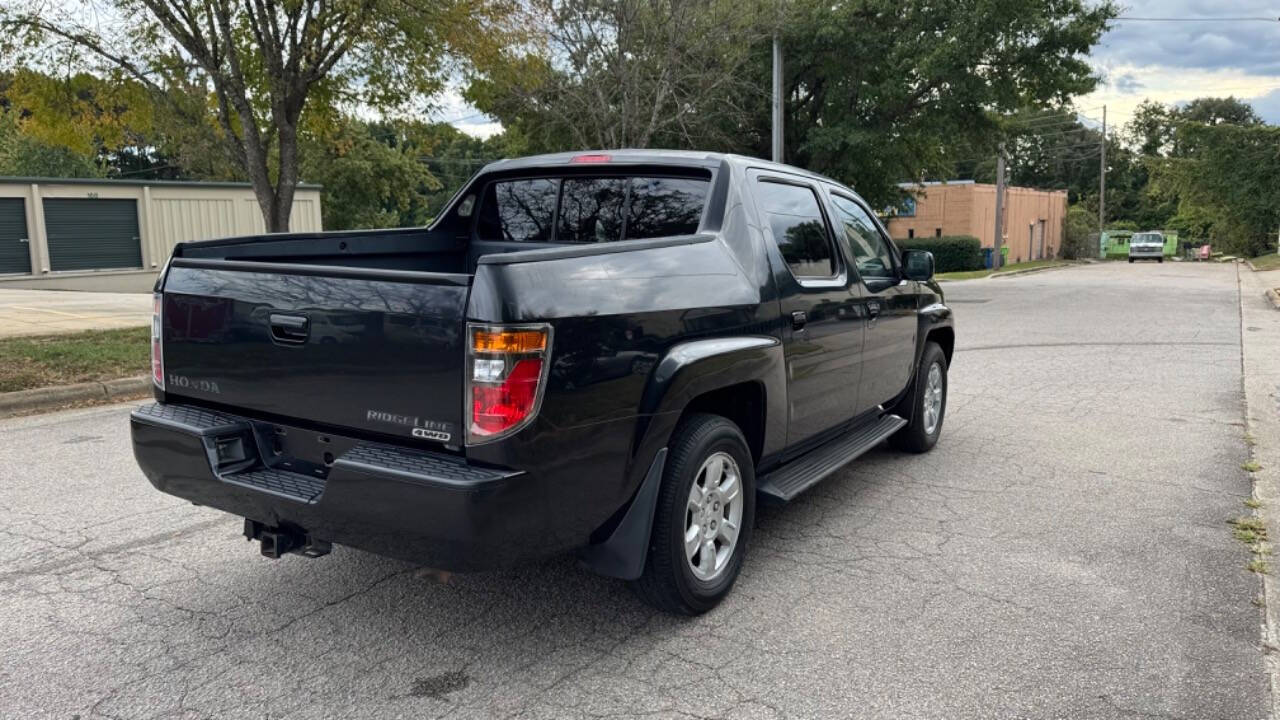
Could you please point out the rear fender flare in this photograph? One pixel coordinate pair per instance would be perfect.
(692, 368)
(687, 370)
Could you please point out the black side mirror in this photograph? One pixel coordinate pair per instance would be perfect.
(918, 264)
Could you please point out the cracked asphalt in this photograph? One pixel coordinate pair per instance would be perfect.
(1062, 553)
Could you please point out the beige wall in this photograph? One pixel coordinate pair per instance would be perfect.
(949, 208)
(1033, 218)
(168, 213)
(1033, 223)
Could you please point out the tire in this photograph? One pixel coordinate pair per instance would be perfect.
(1130, 261)
(1160, 260)
(669, 581)
(917, 437)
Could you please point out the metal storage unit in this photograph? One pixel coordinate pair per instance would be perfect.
(92, 234)
(15, 243)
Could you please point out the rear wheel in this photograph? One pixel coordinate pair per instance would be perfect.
(928, 403)
(706, 508)
(1130, 261)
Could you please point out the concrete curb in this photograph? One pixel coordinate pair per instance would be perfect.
(1028, 271)
(25, 402)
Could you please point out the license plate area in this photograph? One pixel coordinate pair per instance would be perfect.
(298, 450)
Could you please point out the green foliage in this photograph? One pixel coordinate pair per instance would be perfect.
(368, 183)
(1227, 180)
(951, 253)
(393, 173)
(629, 73)
(1123, 226)
(253, 71)
(925, 75)
(24, 155)
(1078, 238)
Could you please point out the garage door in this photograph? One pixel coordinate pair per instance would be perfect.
(15, 253)
(89, 234)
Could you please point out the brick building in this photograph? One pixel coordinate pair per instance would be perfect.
(1033, 218)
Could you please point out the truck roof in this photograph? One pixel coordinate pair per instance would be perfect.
(632, 156)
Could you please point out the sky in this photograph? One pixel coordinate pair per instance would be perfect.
(1175, 62)
(1171, 62)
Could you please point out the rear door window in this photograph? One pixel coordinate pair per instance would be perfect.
(868, 249)
(591, 209)
(796, 221)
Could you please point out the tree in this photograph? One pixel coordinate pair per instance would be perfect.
(1078, 238)
(1216, 163)
(256, 66)
(881, 91)
(24, 155)
(368, 182)
(99, 126)
(628, 73)
(1229, 183)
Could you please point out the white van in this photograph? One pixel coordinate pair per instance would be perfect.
(1146, 246)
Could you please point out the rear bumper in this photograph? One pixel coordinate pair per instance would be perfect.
(431, 508)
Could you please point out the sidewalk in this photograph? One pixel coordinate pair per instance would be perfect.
(45, 312)
(1260, 347)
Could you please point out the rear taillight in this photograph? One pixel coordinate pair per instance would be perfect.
(506, 374)
(157, 352)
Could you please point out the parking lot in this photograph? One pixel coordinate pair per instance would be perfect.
(45, 312)
(1063, 552)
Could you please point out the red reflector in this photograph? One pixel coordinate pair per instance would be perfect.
(157, 350)
(157, 365)
(495, 408)
(591, 159)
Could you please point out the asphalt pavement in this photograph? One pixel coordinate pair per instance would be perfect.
(1062, 553)
(45, 312)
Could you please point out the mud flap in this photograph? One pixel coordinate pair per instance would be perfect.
(623, 554)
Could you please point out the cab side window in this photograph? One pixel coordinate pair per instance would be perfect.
(795, 219)
(868, 249)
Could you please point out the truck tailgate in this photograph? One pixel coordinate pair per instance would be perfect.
(372, 350)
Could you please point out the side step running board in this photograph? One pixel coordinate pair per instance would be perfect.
(795, 477)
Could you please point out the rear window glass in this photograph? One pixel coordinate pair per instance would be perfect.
(663, 207)
(600, 209)
(591, 210)
(519, 210)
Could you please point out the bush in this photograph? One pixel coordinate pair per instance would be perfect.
(1078, 239)
(952, 253)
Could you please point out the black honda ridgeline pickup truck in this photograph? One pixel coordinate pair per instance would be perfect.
(615, 355)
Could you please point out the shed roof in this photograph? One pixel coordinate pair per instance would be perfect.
(17, 180)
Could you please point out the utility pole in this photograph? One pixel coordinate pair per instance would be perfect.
(777, 98)
(995, 246)
(1102, 177)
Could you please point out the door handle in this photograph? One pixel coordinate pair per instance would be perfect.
(798, 320)
(289, 329)
(24, 240)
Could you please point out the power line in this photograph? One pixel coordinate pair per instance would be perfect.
(1131, 18)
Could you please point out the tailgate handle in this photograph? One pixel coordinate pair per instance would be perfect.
(289, 329)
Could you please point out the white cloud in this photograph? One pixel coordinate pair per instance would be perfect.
(482, 130)
(1175, 62)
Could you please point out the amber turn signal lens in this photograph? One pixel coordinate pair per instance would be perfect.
(508, 341)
